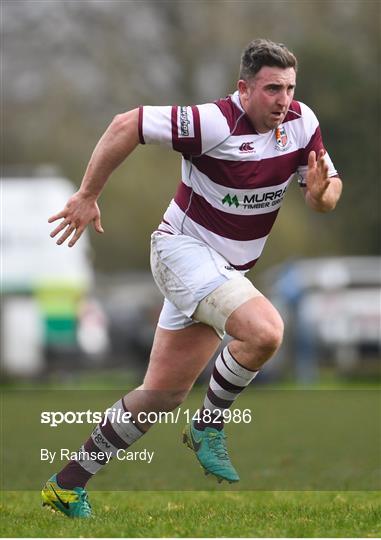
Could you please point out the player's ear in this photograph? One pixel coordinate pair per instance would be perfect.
(243, 88)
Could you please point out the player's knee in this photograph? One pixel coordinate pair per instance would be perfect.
(264, 336)
(269, 337)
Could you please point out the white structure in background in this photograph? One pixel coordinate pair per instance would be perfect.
(332, 309)
(34, 268)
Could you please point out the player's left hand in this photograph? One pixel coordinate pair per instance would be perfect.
(317, 179)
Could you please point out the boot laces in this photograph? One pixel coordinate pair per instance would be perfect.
(217, 444)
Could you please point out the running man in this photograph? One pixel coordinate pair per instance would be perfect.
(239, 155)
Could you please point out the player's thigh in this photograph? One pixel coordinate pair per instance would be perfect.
(179, 356)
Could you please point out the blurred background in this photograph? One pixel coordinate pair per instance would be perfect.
(67, 68)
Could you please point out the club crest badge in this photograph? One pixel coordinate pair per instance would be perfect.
(282, 142)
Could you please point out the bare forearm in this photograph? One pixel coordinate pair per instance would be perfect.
(328, 200)
(118, 141)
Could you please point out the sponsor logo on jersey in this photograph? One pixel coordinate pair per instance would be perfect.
(257, 200)
(282, 142)
(230, 200)
(247, 147)
(184, 122)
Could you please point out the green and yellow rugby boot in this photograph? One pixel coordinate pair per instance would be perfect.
(210, 449)
(74, 503)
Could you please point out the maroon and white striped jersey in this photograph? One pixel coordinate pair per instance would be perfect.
(233, 179)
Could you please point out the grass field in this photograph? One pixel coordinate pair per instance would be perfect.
(310, 465)
(224, 514)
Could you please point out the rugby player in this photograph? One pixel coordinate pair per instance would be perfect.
(239, 155)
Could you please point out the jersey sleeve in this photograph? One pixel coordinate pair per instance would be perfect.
(191, 130)
(313, 141)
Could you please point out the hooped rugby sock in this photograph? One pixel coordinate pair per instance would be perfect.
(228, 380)
(115, 432)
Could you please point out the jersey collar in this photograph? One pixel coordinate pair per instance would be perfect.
(235, 99)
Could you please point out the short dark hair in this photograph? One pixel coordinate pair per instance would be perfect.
(263, 52)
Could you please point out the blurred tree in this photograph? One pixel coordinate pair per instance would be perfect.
(68, 67)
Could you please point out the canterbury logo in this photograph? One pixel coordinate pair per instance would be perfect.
(246, 147)
(230, 200)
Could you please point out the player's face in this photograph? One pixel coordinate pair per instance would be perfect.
(267, 97)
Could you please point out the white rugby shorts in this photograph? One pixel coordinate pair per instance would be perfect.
(186, 271)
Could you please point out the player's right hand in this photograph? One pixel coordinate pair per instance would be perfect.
(80, 210)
